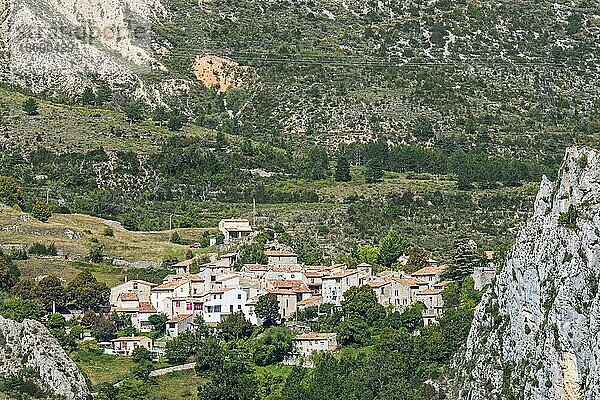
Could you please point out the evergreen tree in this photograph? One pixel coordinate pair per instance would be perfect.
(41, 211)
(30, 106)
(176, 238)
(9, 273)
(267, 309)
(104, 94)
(393, 245)
(373, 171)
(88, 97)
(464, 259)
(134, 111)
(176, 120)
(342, 169)
(417, 259)
(160, 115)
(51, 292)
(11, 193)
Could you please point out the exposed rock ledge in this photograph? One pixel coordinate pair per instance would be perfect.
(30, 348)
(536, 333)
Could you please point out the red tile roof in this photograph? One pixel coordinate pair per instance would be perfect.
(146, 308)
(130, 296)
(179, 318)
(279, 253)
(430, 270)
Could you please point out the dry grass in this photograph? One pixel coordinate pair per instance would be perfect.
(75, 234)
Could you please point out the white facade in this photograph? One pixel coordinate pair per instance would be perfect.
(219, 304)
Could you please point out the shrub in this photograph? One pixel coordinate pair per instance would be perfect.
(41, 211)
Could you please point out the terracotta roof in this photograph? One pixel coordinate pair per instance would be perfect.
(130, 296)
(310, 300)
(442, 283)
(379, 283)
(316, 336)
(279, 253)
(341, 274)
(130, 339)
(313, 274)
(296, 286)
(190, 277)
(227, 278)
(186, 263)
(179, 318)
(429, 271)
(170, 285)
(235, 220)
(256, 267)
(146, 307)
(364, 265)
(409, 281)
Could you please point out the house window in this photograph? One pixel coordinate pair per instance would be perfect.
(213, 278)
(197, 306)
(177, 304)
(239, 306)
(171, 325)
(239, 296)
(135, 285)
(231, 308)
(188, 306)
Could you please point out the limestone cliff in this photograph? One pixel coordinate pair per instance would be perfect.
(60, 45)
(536, 333)
(29, 348)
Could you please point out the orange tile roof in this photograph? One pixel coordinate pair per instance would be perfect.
(186, 263)
(379, 283)
(146, 307)
(130, 296)
(170, 285)
(409, 281)
(313, 274)
(190, 277)
(296, 286)
(179, 318)
(310, 300)
(256, 267)
(342, 274)
(431, 270)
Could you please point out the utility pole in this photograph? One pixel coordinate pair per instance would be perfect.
(171, 221)
(48, 196)
(254, 212)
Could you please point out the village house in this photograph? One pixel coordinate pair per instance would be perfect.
(169, 295)
(211, 271)
(405, 292)
(335, 285)
(312, 301)
(138, 311)
(184, 267)
(384, 290)
(179, 324)
(430, 274)
(289, 293)
(235, 229)
(365, 268)
(281, 257)
(141, 288)
(224, 302)
(314, 281)
(125, 345)
(308, 343)
(434, 304)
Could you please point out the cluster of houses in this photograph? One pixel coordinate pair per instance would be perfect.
(218, 290)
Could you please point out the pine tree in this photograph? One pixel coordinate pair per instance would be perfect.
(134, 111)
(342, 169)
(373, 171)
(464, 259)
(88, 97)
(30, 106)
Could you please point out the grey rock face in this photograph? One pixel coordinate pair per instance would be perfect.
(535, 334)
(29, 346)
(61, 44)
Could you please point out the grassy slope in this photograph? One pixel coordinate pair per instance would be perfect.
(73, 234)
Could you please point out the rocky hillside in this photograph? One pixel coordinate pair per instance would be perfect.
(29, 350)
(65, 45)
(507, 74)
(535, 333)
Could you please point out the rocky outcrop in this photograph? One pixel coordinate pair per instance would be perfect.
(536, 333)
(60, 45)
(29, 348)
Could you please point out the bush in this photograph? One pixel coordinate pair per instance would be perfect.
(108, 231)
(41, 211)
